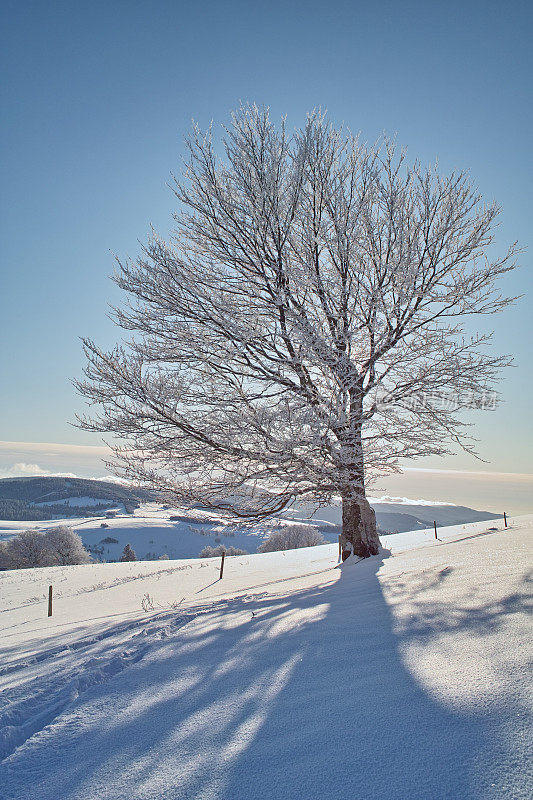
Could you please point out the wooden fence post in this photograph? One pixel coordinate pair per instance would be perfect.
(435, 526)
(505, 518)
(49, 601)
(222, 565)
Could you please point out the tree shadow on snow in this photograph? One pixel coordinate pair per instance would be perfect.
(273, 697)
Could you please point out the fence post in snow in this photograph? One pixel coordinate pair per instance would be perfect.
(505, 518)
(340, 546)
(435, 526)
(222, 565)
(49, 601)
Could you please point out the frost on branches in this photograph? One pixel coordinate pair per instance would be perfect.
(312, 290)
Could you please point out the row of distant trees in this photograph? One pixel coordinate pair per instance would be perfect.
(12, 509)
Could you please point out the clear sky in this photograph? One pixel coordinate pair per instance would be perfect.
(98, 95)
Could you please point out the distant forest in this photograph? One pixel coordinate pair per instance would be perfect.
(19, 497)
(22, 510)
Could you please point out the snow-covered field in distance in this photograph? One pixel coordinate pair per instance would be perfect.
(396, 677)
(398, 514)
(152, 532)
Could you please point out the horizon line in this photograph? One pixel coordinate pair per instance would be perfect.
(4, 444)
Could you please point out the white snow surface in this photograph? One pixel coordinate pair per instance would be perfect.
(151, 530)
(400, 677)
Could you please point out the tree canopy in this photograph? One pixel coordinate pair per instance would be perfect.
(303, 328)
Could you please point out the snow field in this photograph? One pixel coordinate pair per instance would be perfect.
(150, 530)
(398, 677)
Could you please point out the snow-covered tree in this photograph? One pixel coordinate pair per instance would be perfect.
(303, 328)
(291, 537)
(128, 554)
(211, 552)
(27, 549)
(67, 546)
(56, 547)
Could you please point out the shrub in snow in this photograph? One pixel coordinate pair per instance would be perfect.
(211, 552)
(292, 537)
(147, 603)
(128, 554)
(57, 547)
(28, 549)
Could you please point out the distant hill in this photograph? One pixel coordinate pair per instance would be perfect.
(45, 498)
(50, 497)
(398, 517)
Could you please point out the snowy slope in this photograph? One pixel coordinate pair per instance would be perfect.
(396, 677)
(398, 514)
(153, 532)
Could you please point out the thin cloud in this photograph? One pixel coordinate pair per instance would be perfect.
(406, 501)
(52, 448)
(468, 473)
(23, 470)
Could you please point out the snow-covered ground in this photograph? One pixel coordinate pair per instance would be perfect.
(154, 530)
(402, 677)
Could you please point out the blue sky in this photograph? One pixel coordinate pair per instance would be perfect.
(96, 100)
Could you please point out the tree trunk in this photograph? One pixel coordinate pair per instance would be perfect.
(359, 532)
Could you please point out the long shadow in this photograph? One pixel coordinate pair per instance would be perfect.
(274, 697)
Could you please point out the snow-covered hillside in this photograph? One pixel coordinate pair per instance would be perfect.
(154, 530)
(399, 677)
